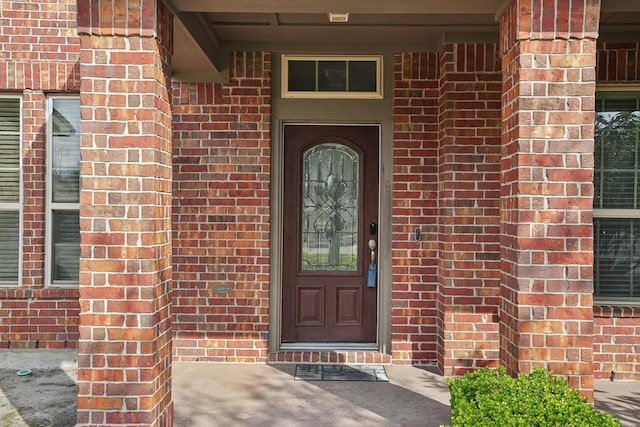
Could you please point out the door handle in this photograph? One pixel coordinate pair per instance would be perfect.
(372, 271)
(372, 247)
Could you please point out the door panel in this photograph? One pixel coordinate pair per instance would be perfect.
(330, 200)
(349, 305)
(310, 306)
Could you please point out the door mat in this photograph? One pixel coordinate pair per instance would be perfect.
(313, 372)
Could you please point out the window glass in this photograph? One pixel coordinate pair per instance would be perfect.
(65, 150)
(302, 76)
(363, 76)
(616, 204)
(9, 250)
(332, 77)
(330, 203)
(9, 150)
(64, 188)
(66, 246)
(9, 190)
(617, 255)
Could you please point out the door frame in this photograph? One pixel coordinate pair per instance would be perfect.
(383, 335)
(332, 112)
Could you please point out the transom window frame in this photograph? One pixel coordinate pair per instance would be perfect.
(618, 91)
(52, 206)
(377, 94)
(17, 206)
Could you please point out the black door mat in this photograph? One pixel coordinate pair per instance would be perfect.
(314, 372)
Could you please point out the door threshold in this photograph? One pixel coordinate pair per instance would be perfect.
(329, 346)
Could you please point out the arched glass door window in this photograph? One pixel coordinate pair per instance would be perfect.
(330, 205)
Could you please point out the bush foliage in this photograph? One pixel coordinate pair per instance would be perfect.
(491, 397)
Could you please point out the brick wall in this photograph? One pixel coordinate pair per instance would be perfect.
(415, 190)
(124, 351)
(616, 343)
(469, 206)
(40, 51)
(549, 78)
(618, 62)
(221, 214)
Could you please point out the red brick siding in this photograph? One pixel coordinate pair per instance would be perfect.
(415, 189)
(469, 206)
(616, 343)
(40, 51)
(124, 351)
(39, 45)
(221, 215)
(618, 62)
(547, 191)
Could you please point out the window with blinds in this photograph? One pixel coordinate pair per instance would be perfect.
(64, 190)
(10, 120)
(616, 196)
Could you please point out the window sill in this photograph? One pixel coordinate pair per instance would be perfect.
(616, 309)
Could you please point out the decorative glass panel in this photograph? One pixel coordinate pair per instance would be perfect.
(330, 202)
(66, 246)
(9, 250)
(9, 150)
(65, 150)
(617, 254)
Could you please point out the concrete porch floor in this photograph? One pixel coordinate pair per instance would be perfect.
(232, 395)
(268, 395)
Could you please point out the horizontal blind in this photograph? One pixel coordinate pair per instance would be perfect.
(9, 150)
(9, 251)
(66, 246)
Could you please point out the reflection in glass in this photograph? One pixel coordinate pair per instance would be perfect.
(330, 201)
(65, 151)
(616, 182)
(332, 76)
(302, 75)
(617, 248)
(66, 246)
(363, 76)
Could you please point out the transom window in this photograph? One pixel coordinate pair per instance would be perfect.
(617, 194)
(331, 76)
(10, 136)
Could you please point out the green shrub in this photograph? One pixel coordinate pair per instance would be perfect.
(491, 397)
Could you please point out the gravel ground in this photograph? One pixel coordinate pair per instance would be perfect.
(44, 398)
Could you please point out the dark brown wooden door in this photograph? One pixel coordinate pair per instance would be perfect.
(330, 218)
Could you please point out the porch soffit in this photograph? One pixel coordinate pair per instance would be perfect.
(205, 30)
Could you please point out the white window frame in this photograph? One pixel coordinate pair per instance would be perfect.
(17, 206)
(615, 213)
(51, 206)
(286, 93)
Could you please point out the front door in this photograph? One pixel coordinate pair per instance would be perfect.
(330, 225)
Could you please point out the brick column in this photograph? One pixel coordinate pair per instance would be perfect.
(125, 273)
(548, 67)
(468, 196)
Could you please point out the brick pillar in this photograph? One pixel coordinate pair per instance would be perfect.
(548, 67)
(124, 356)
(468, 195)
